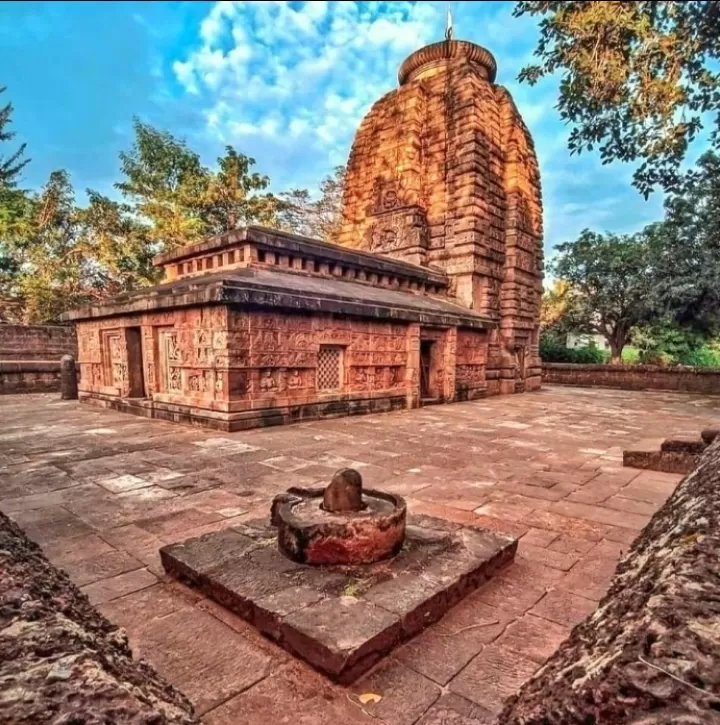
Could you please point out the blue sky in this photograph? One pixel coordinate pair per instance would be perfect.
(285, 82)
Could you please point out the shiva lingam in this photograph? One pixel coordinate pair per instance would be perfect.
(340, 524)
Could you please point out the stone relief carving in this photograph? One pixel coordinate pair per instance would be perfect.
(359, 377)
(174, 380)
(268, 382)
(294, 380)
(170, 356)
(379, 379)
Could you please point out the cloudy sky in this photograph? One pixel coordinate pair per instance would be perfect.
(285, 82)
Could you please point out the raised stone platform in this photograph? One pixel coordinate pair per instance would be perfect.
(671, 455)
(340, 619)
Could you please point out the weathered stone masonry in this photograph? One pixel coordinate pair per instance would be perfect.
(30, 356)
(432, 296)
(443, 172)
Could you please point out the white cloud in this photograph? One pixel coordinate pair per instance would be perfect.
(299, 74)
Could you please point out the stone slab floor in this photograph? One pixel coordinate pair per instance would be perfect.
(102, 491)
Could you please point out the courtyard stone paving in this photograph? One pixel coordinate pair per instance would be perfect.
(102, 492)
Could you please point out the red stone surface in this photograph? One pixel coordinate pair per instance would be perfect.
(55, 457)
(258, 327)
(340, 619)
(30, 356)
(443, 171)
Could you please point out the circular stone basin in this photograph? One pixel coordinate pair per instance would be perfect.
(310, 534)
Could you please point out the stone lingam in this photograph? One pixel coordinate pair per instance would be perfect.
(340, 524)
(341, 575)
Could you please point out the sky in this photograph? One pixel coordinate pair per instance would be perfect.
(284, 82)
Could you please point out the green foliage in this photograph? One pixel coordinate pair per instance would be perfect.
(554, 350)
(666, 343)
(55, 254)
(12, 165)
(686, 249)
(638, 79)
(320, 219)
(181, 200)
(232, 197)
(166, 183)
(608, 285)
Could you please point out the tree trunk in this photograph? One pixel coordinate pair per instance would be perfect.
(616, 348)
(60, 659)
(650, 654)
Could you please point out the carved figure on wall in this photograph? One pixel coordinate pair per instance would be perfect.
(389, 199)
(268, 383)
(294, 379)
(360, 377)
(171, 347)
(379, 379)
(208, 384)
(174, 380)
(97, 373)
(395, 377)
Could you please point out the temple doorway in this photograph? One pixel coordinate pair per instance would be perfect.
(426, 349)
(136, 377)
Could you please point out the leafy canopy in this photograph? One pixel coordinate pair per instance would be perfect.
(609, 282)
(686, 249)
(14, 163)
(638, 79)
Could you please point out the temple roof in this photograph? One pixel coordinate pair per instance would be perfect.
(286, 243)
(432, 55)
(263, 287)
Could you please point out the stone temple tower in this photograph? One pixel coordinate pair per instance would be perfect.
(442, 173)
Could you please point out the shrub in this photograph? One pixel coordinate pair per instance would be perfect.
(553, 349)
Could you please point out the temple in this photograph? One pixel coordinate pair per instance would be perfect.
(431, 296)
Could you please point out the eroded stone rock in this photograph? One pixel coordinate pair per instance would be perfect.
(61, 661)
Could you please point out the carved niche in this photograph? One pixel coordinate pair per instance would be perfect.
(395, 224)
(170, 360)
(294, 379)
(114, 359)
(268, 382)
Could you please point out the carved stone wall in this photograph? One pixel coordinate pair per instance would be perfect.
(235, 368)
(280, 359)
(443, 172)
(184, 356)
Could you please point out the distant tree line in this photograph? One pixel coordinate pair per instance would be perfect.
(658, 289)
(56, 254)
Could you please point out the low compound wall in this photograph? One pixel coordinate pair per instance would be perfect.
(30, 357)
(634, 377)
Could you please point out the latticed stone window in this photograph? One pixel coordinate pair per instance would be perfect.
(330, 368)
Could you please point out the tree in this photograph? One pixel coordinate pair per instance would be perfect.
(320, 219)
(52, 266)
(638, 79)
(686, 249)
(329, 206)
(167, 185)
(118, 245)
(554, 305)
(12, 165)
(609, 285)
(232, 199)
